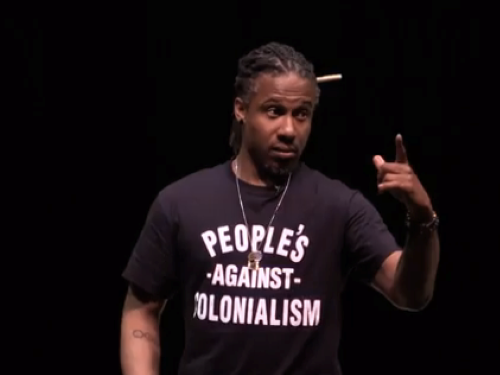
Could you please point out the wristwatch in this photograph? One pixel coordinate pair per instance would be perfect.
(423, 226)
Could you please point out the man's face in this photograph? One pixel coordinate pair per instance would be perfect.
(277, 121)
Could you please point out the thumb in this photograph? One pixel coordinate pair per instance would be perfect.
(378, 161)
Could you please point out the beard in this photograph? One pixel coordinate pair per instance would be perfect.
(275, 170)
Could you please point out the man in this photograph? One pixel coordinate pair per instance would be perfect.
(258, 248)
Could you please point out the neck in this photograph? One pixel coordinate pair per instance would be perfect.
(248, 171)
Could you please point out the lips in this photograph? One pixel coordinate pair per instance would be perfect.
(284, 152)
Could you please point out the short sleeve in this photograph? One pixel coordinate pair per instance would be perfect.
(152, 263)
(368, 239)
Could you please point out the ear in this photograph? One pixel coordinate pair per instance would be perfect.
(239, 109)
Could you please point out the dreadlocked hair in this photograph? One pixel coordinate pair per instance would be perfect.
(273, 58)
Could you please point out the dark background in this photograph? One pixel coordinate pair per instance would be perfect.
(106, 136)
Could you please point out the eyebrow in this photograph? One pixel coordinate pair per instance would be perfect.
(308, 103)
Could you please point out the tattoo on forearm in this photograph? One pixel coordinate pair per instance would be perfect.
(138, 334)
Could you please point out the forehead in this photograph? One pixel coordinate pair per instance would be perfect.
(289, 87)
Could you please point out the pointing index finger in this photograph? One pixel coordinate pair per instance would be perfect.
(401, 156)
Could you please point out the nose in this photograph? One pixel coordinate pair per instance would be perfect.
(286, 133)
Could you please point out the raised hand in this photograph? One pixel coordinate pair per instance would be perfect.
(399, 179)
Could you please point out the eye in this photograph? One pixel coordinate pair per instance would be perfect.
(273, 112)
(303, 114)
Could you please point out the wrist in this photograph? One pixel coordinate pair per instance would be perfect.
(423, 214)
(422, 221)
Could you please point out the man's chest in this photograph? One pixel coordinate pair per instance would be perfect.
(299, 271)
(301, 241)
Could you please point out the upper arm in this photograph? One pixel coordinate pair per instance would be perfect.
(151, 266)
(384, 279)
(369, 242)
(139, 301)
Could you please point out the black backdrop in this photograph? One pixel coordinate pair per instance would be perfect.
(116, 136)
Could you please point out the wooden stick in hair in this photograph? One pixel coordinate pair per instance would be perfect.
(328, 78)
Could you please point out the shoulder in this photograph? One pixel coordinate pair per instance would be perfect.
(193, 185)
(325, 187)
(330, 195)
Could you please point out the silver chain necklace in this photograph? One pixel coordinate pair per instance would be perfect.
(255, 255)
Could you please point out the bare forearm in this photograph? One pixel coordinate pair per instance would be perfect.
(417, 269)
(140, 345)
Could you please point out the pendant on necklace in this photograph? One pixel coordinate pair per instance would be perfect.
(254, 258)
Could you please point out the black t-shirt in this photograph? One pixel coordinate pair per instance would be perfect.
(283, 318)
